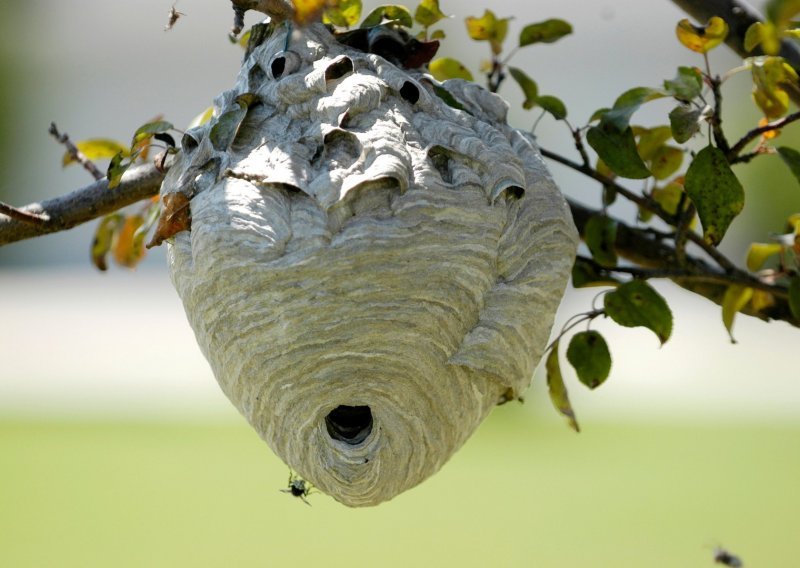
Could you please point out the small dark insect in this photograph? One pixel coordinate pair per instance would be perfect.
(298, 487)
(722, 556)
(173, 18)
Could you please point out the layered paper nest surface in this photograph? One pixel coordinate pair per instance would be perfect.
(369, 270)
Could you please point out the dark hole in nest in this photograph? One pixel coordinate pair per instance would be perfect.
(278, 66)
(349, 424)
(409, 92)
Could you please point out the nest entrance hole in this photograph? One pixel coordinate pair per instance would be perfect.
(349, 424)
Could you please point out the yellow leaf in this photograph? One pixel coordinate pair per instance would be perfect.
(488, 28)
(758, 253)
(762, 300)
(201, 118)
(97, 149)
(773, 78)
(702, 38)
(736, 298)
(307, 11)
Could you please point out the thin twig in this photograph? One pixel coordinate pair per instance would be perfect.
(716, 120)
(75, 153)
(738, 148)
(20, 215)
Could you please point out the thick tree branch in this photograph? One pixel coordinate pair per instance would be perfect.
(658, 259)
(85, 204)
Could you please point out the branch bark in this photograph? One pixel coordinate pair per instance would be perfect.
(645, 249)
(85, 204)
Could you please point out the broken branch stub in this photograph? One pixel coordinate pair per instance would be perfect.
(369, 270)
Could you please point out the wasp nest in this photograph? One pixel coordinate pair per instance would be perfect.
(374, 260)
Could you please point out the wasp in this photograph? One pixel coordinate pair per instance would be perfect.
(298, 487)
(173, 18)
(722, 556)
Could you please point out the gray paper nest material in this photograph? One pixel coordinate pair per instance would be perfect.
(363, 244)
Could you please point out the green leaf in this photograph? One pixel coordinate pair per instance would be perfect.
(392, 12)
(684, 121)
(600, 235)
(792, 159)
(618, 151)
(629, 102)
(116, 169)
(665, 161)
(794, 296)
(428, 13)
(588, 353)
(528, 86)
(637, 304)
(444, 68)
(547, 31)
(344, 13)
(227, 126)
(558, 392)
(146, 131)
(735, 298)
(715, 191)
(448, 98)
(553, 105)
(686, 85)
(585, 275)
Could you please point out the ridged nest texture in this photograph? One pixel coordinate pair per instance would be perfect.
(369, 270)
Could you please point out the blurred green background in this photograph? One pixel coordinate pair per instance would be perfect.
(117, 448)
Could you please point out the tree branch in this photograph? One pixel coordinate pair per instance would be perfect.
(659, 260)
(734, 153)
(85, 204)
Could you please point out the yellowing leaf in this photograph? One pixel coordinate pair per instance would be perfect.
(773, 79)
(558, 392)
(428, 13)
(96, 149)
(762, 300)
(342, 13)
(665, 161)
(758, 253)
(764, 34)
(444, 68)
(702, 38)
(735, 298)
(669, 198)
(488, 28)
(104, 238)
(127, 251)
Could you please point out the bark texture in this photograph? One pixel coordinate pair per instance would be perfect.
(362, 243)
